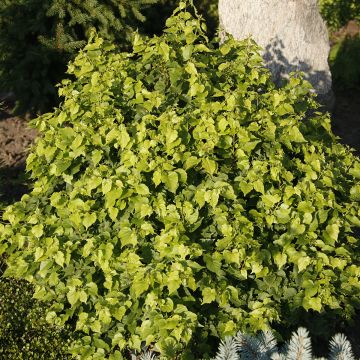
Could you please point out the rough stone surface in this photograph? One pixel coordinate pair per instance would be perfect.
(292, 34)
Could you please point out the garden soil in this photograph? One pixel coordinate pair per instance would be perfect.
(15, 140)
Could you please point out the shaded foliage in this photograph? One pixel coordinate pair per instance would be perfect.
(345, 63)
(157, 14)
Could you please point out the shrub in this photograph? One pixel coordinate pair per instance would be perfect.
(24, 332)
(338, 13)
(179, 195)
(38, 38)
(344, 62)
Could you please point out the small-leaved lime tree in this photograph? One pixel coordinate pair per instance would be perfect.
(178, 195)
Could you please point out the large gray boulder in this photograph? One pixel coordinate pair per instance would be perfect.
(292, 34)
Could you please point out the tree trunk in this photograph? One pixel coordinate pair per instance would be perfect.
(292, 34)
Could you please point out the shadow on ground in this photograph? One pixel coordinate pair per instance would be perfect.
(14, 183)
(346, 118)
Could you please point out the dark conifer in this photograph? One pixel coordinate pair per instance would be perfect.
(39, 37)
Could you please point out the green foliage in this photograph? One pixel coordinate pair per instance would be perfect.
(24, 332)
(39, 37)
(344, 62)
(337, 13)
(179, 196)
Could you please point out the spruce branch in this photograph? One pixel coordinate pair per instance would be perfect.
(249, 346)
(147, 355)
(340, 348)
(264, 347)
(299, 347)
(227, 349)
(268, 343)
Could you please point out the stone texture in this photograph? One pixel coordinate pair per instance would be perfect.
(292, 34)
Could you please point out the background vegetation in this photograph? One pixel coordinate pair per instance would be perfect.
(39, 37)
(344, 63)
(338, 13)
(164, 8)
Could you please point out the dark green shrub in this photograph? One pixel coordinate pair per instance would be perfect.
(209, 10)
(39, 37)
(345, 63)
(338, 13)
(180, 195)
(24, 332)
